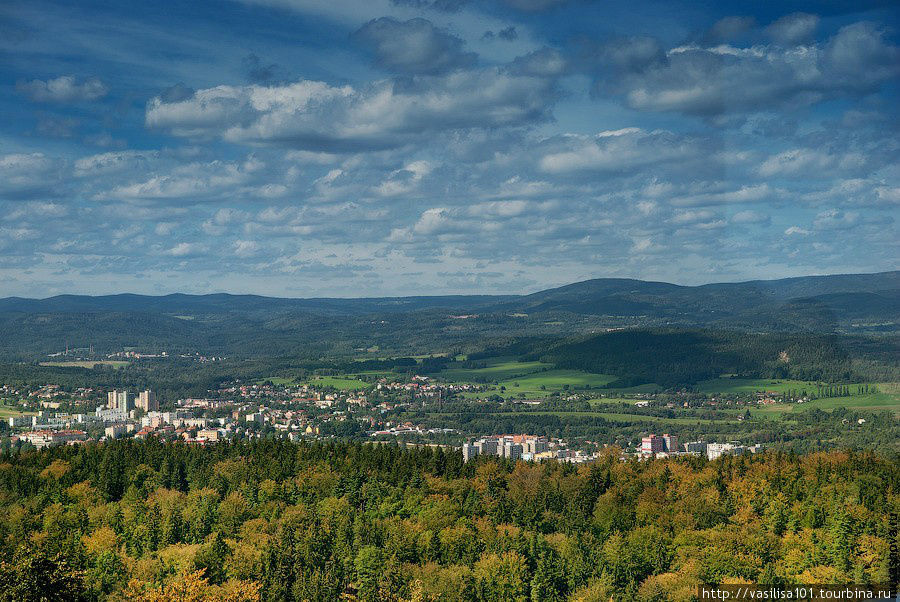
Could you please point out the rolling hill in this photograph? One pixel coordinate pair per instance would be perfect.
(251, 325)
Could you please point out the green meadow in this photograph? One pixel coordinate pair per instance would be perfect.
(497, 369)
(554, 380)
(10, 411)
(347, 384)
(86, 364)
(612, 417)
(754, 385)
(886, 399)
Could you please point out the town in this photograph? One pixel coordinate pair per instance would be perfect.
(319, 410)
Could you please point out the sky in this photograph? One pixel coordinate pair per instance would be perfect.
(307, 148)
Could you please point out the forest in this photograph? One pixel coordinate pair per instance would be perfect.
(271, 520)
(670, 357)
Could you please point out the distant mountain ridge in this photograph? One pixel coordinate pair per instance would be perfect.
(576, 297)
(255, 326)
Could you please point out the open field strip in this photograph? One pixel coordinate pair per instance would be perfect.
(611, 416)
(11, 412)
(86, 364)
(756, 385)
(497, 369)
(349, 384)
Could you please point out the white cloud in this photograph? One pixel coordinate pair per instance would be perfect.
(413, 46)
(184, 249)
(810, 163)
(796, 28)
(23, 175)
(63, 89)
(722, 79)
(192, 181)
(626, 148)
(317, 117)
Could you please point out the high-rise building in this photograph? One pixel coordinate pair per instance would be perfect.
(469, 451)
(695, 447)
(511, 450)
(147, 401)
(120, 400)
(653, 444)
(717, 450)
(487, 447)
(671, 443)
(536, 445)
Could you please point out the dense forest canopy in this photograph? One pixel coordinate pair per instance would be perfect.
(320, 521)
(682, 357)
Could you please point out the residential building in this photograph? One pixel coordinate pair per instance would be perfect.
(147, 401)
(717, 450)
(486, 447)
(115, 431)
(45, 438)
(512, 451)
(652, 444)
(671, 443)
(695, 447)
(120, 400)
(469, 451)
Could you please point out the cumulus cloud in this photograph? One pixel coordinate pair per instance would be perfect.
(23, 175)
(793, 29)
(460, 171)
(707, 81)
(720, 194)
(114, 162)
(413, 47)
(192, 181)
(811, 163)
(315, 116)
(403, 181)
(545, 62)
(627, 148)
(185, 249)
(65, 88)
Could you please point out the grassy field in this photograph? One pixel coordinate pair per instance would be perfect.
(554, 380)
(497, 369)
(887, 399)
(753, 385)
(613, 417)
(349, 384)
(542, 384)
(86, 364)
(606, 401)
(9, 411)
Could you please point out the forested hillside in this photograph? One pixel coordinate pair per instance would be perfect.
(276, 521)
(671, 358)
(254, 326)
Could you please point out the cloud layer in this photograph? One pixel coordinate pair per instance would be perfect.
(397, 148)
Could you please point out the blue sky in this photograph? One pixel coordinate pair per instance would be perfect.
(346, 148)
